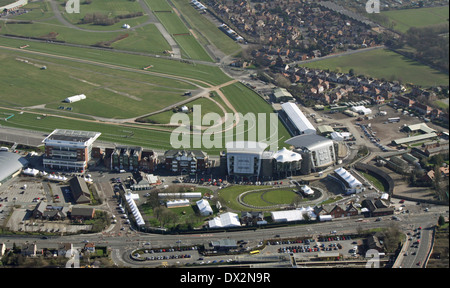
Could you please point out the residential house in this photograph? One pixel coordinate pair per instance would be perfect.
(339, 211)
(44, 211)
(421, 108)
(182, 161)
(371, 210)
(403, 101)
(89, 247)
(320, 210)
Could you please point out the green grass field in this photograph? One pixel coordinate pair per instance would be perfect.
(207, 106)
(66, 77)
(206, 31)
(246, 101)
(110, 8)
(422, 17)
(385, 64)
(120, 94)
(6, 2)
(201, 74)
(189, 46)
(146, 39)
(269, 198)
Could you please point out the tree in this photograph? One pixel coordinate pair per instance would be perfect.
(441, 220)
(391, 235)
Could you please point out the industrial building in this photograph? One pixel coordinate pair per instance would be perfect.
(317, 152)
(11, 164)
(416, 138)
(281, 95)
(295, 120)
(68, 150)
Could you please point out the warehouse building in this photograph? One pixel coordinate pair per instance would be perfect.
(11, 164)
(416, 138)
(295, 120)
(281, 95)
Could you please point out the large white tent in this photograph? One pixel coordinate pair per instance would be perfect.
(228, 219)
(204, 207)
(129, 197)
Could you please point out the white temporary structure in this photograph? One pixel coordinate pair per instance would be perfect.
(31, 172)
(352, 184)
(228, 219)
(307, 190)
(130, 198)
(204, 207)
(75, 98)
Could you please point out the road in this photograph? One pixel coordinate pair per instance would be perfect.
(122, 244)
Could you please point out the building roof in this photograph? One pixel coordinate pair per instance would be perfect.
(79, 139)
(82, 211)
(414, 138)
(204, 207)
(285, 155)
(175, 153)
(422, 127)
(281, 93)
(228, 219)
(10, 163)
(245, 147)
(80, 190)
(298, 118)
(134, 209)
(292, 215)
(309, 141)
(323, 129)
(351, 181)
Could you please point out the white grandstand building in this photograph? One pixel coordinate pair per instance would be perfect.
(318, 152)
(295, 119)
